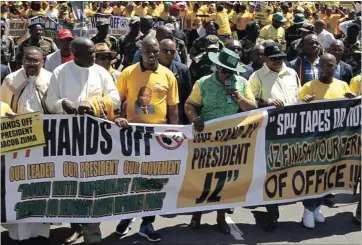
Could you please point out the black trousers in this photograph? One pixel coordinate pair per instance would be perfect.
(241, 34)
(273, 211)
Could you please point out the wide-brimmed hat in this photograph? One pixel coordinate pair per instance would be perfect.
(274, 50)
(102, 48)
(298, 19)
(279, 17)
(227, 59)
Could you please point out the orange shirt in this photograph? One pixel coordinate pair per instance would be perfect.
(332, 23)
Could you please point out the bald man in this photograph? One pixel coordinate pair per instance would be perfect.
(343, 71)
(324, 88)
(166, 58)
(162, 97)
(67, 94)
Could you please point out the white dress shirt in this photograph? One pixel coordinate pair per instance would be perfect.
(78, 84)
(325, 38)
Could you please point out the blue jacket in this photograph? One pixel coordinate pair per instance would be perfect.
(344, 72)
(183, 78)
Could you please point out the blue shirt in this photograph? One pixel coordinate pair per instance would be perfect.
(337, 73)
(305, 70)
(137, 58)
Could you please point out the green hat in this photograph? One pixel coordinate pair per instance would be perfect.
(298, 19)
(252, 25)
(227, 59)
(279, 17)
(167, 4)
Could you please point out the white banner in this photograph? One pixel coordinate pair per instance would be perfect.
(118, 25)
(90, 170)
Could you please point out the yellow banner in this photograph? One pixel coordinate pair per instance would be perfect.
(23, 132)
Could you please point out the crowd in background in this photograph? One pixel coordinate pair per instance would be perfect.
(205, 60)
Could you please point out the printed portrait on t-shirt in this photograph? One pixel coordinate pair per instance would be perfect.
(143, 102)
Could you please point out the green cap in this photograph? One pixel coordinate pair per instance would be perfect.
(279, 17)
(167, 4)
(227, 59)
(252, 25)
(298, 19)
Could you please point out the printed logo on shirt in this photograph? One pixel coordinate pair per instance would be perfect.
(158, 87)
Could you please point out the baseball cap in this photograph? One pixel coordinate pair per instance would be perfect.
(176, 7)
(273, 50)
(51, 3)
(64, 33)
(307, 27)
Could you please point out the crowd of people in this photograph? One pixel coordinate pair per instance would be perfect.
(177, 74)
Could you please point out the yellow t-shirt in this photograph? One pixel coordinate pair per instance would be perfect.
(148, 93)
(90, 13)
(355, 85)
(128, 14)
(268, 20)
(289, 17)
(4, 15)
(140, 11)
(107, 11)
(222, 19)
(321, 91)
(33, 13)
(5, 108)
(164, 15)
(24, 13)
(118, 11)
(269, 32)
(242, 20)
(332, 23)
(153, 12)
(193, 22)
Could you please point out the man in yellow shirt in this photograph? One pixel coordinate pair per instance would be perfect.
(36, 10)
(118, 10)
(90, 12)
(142, 9)
(129, 11)
(332, 20)
(222, 19)
(355, 85)
(153, 10)
(166, 10)
(151, 93)
(275, 31)
(324, 88)
(244, 17)
(24, 11)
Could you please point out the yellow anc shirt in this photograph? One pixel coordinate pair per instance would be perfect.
(4, 15)
(107, 11)
(193, 22)
(33, 13)
(140, 11)
(153, 12)
(289, 17)
(355, 85)
(128, 14)
(269, 32)
(148, 93)
(222, 19)
(5, 108)
(242, 20)
(164, 15)
(90, 13)
(118, 11)
(24, 13)
(332, 23)
(335, 90)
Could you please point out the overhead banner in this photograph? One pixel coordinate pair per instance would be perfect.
(90, 170)
(118, 25)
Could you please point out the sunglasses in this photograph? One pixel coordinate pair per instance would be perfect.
(276, 58)
(226, 71)
(104, 57)
(172, 51)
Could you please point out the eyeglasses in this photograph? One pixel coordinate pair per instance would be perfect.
(104, 57)
(172, 51)
(31, 62)
(276, 58)
(226, 71)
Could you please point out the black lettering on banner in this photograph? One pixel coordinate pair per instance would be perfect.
(107, 144)
(50, 136)
(299, 174)
(130, 140)
(277, 182)
(222, 178)
(92, 136)
(63, 137)
(78, 136)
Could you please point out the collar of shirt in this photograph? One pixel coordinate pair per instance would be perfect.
(143, 69)
(316, 62)
(111, 69)
(265, 70)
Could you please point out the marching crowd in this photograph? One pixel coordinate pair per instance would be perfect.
(219, 62)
